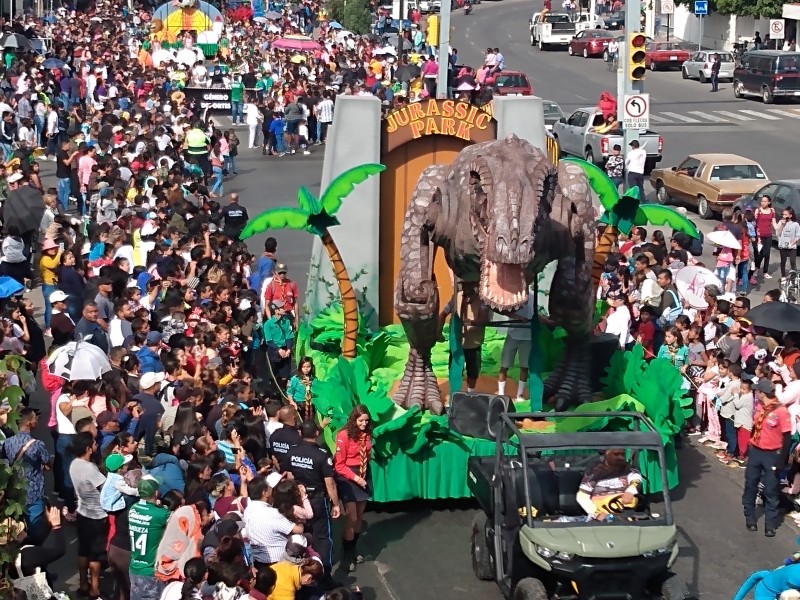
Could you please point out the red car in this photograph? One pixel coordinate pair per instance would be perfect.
(512, 83)
(589, 42)
(665, 55)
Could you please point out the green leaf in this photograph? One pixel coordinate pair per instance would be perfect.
(601, 183)
(666, 215)
(276, 218)
(308, 201)
(343, 185)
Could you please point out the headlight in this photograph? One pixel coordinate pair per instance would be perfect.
(658, 551)
(550, 554)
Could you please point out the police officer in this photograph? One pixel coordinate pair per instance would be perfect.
(312, 466)
(766, 457)
(235, 216)
(283, 439)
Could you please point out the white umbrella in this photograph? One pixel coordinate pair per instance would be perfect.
(385, 50)
(691, 283)
(724, 237)
(161, 56)
(78, 361)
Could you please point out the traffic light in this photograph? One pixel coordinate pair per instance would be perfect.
(636, 56)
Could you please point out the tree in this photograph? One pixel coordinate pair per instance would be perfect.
(759, 8)
(335, 10)
(316, 215)
(357, 16)
(623, 214)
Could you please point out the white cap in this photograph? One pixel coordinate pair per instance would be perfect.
(148, 380)
(14, 177)
(274, 479)
(57, 296)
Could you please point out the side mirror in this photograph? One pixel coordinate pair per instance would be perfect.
(562, 120)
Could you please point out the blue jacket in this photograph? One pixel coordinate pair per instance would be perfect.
(168, 470)
(149, 362)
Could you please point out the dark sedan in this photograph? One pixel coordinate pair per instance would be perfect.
(785, 193)
(615, 20)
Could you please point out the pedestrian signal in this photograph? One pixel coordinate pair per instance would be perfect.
(636, 56)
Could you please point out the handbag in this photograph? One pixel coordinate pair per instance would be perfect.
(35, 586)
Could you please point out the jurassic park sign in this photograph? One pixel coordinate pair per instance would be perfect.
(450, 118)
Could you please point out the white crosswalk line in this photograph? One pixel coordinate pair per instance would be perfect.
(784, 113)
(708, 116)
(683, 118)
(734, 115)
(761, 115)
(656, 118)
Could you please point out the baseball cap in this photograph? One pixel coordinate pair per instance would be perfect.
(104, 418)
(229, 527)
(215, 362)
(153, 338)
(765, 386)
(148, 380)
(148, 486)
(296, 547)
(57, 296)
(281, 268)
(115, 461)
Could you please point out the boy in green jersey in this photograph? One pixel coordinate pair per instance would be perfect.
(147, 520)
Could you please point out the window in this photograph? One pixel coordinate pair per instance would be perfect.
(735, 172)
(725, 57)
(689, 166)
(557, 19)
(768, 190)
(782, 198)
(551, 111)
(581, 35)
(511, 81)
(574, 118)
(788, 63)
(584, 118)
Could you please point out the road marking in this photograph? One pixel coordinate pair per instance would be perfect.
(680, 117)
(785, 113)
(657, 119)
(760, 115)
(708, 116)
(582, 98)
(734, 115)
(382, 570)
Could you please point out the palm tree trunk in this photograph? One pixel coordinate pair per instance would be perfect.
(602, 250)
(348, 295)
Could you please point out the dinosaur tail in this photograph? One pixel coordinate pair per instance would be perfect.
(749, 584)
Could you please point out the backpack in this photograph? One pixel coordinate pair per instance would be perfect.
(696, 247)
(669, 317)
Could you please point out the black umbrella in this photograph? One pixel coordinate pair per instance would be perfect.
(780, 316)
(15, 41)
(23, 209)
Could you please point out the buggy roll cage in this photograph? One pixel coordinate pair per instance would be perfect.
(644, 437)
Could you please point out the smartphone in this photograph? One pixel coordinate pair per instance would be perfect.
(778, 351)
(774, 366)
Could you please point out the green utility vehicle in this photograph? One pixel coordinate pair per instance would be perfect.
(537, 542)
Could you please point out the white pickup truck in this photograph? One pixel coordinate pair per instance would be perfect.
(552, 29)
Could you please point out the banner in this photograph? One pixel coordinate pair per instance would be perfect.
(213, 100)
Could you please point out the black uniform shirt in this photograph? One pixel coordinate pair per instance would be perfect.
(236, 217)
(310, 464)
(280, 442)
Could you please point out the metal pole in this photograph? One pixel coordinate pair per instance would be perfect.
(633, 24)
(444, 48)
(669, 22)
(700, 41)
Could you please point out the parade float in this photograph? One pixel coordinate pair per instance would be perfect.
(181, 24)
(450, 231)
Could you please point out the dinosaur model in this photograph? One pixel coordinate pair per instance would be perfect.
(500, 213)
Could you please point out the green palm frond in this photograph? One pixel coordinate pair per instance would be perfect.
(601, 183)
(276, 218)
(339, 188)
(665, 215)
(308, 201)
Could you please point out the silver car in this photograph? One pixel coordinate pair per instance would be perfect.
(699, 65)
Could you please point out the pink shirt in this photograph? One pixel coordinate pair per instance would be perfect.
(85, 165)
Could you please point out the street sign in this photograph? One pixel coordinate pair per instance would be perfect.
(667, 7)
(777, 30)
(636, 111)
(701, 7)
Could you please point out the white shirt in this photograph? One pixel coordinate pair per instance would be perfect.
(267, 529)
(635, 159)
(618, 323)
(251, 110)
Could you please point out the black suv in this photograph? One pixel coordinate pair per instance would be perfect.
(768, 74)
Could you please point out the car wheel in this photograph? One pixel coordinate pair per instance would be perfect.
(684, 73)
(533, 40)
(542, 46)
(529, 589)
(702, 207)
(738, 89)
(653, 65)
(662, 196)
(766, 95)
(674, 588)
(585, 53)
(481, 562)
(589, 156)
(702, 77)
(605, 55)
(570, 51)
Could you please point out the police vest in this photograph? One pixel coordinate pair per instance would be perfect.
(196, 142)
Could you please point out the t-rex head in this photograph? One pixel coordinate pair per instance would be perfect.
(507, 186)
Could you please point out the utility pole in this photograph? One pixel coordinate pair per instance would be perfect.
(625, 85)
(444, 48)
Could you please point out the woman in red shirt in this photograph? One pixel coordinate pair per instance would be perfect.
(765, 226)
(351, 463)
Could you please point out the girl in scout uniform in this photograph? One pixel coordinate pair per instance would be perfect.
(279, 341)
(299, 390)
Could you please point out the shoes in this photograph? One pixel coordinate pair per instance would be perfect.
(306, 152)
(741, 463)
(721, 454)
(281, 154)
(702, 440)
(769, 533)
(48, 333)
(768, 276)
(695, 432)
(751, 526)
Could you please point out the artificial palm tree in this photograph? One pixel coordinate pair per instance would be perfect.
(624, 213)
(316, 215)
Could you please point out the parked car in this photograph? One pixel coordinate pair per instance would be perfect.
(699, 66)
(711, 182)
(768, 74)
(665, 55)
(589, 42)
(785, 193)
(621, 39)
(577, 136)
(615, 20)
(552, 114)
(588, 21)
(512, 83)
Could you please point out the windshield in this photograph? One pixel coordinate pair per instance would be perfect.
(551, 111)
(734, 172)
(724, 57)
(557, 19)
(511, 81)
(789, 63)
